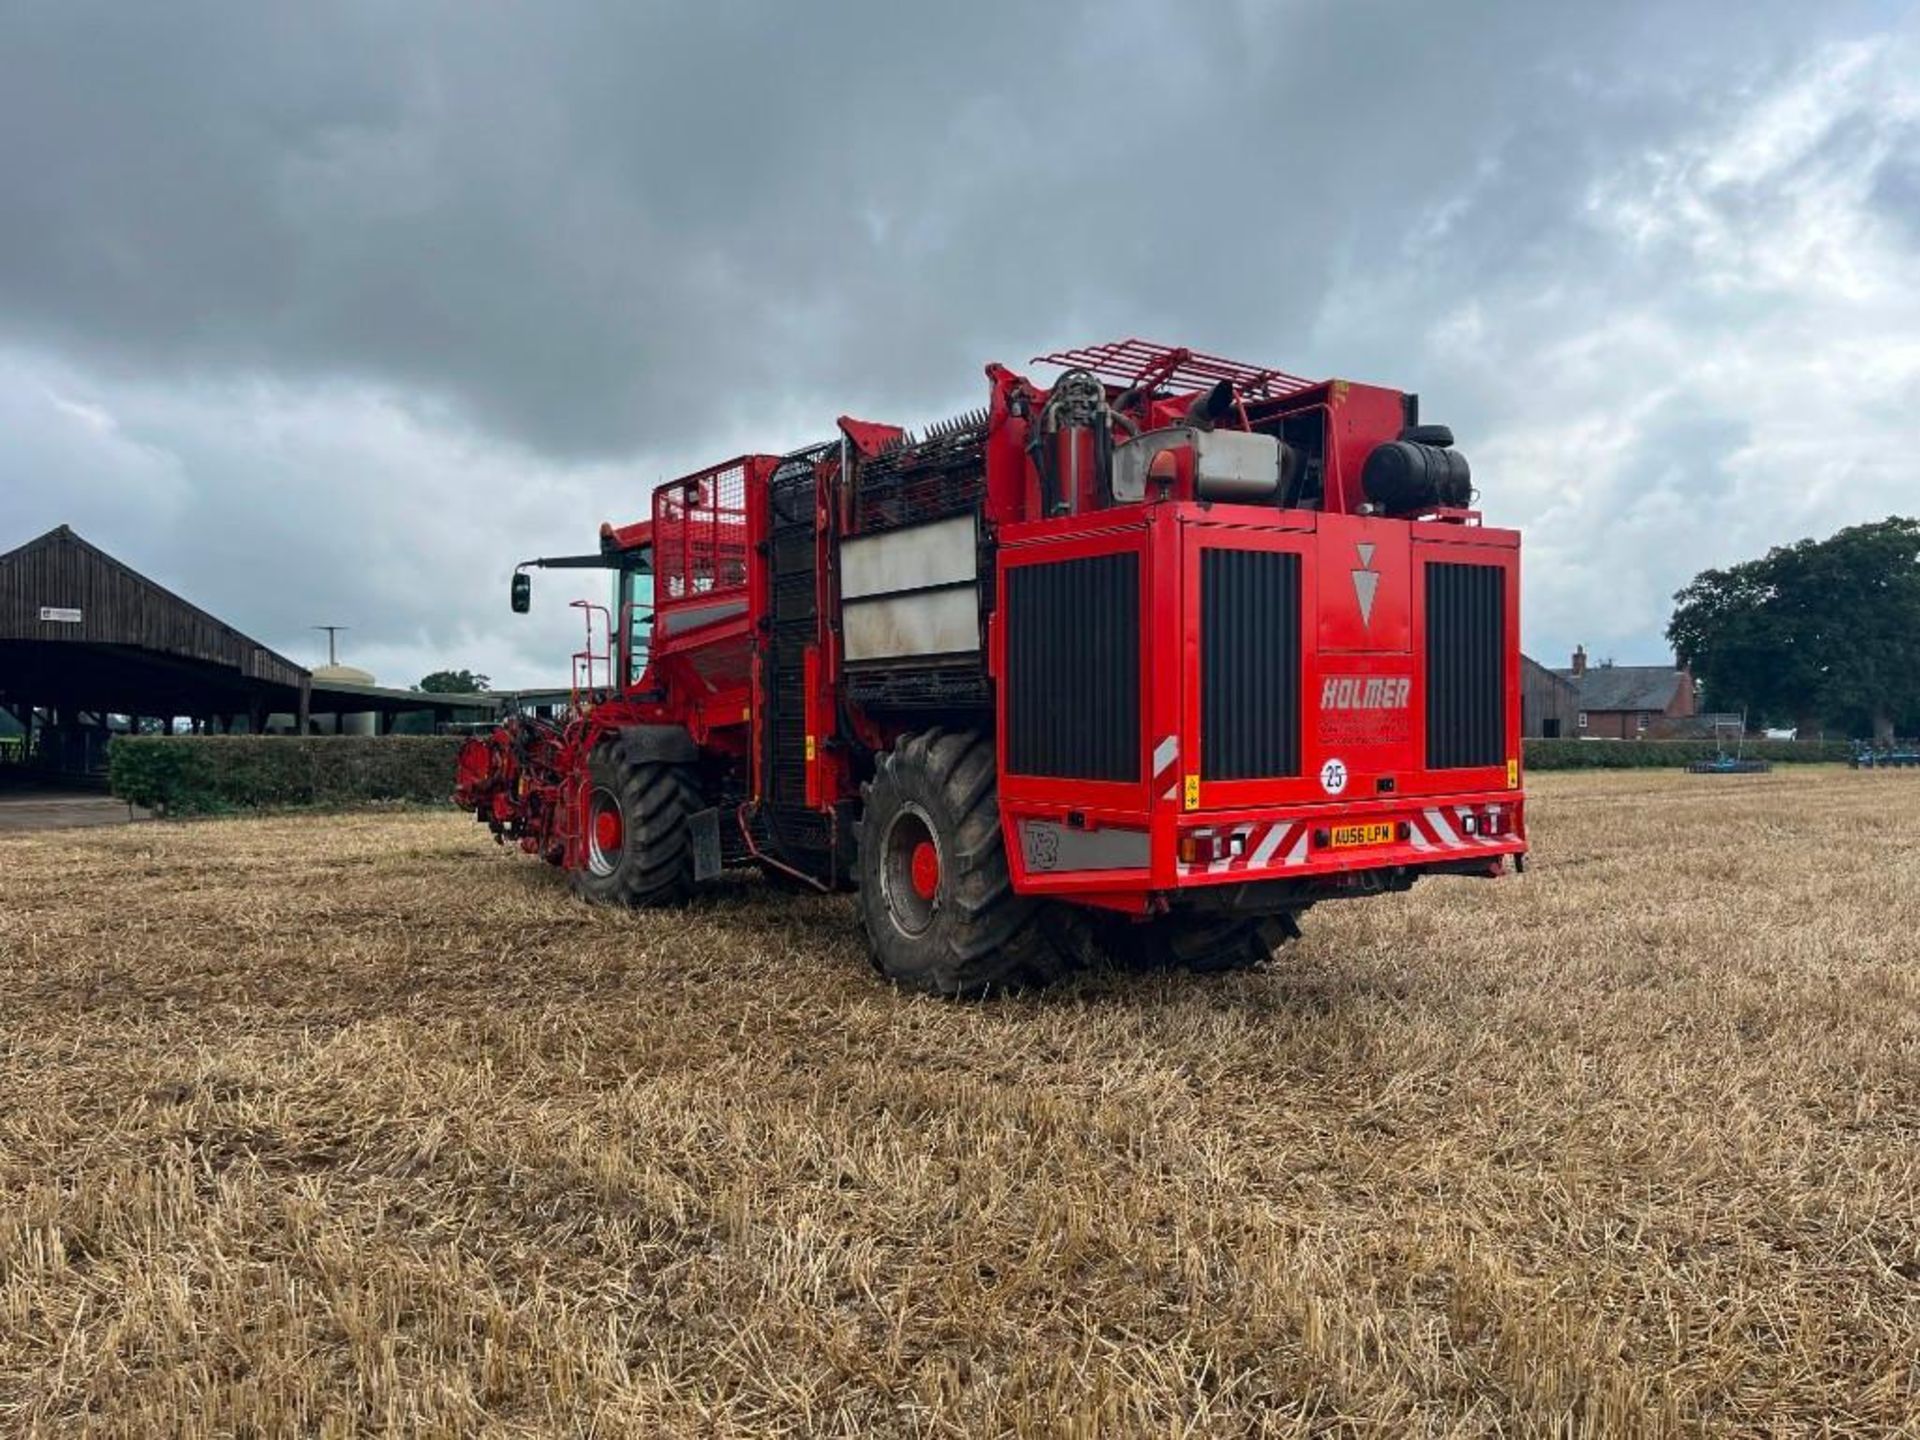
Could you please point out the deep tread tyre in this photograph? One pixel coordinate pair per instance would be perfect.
(647, 858)
(936, 896)
(1204, 944)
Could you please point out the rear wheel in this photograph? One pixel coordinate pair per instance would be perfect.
(638, 850)
(1201, 943)
(936, 896)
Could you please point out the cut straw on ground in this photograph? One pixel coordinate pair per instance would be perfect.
(358, 1124)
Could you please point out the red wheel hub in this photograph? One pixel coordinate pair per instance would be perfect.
(926, 870)
(606, 829)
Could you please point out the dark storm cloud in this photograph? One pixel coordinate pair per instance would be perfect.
(563, 249)
(587, 227)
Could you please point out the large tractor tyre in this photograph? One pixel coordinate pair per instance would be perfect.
(936, 896)
(638, 849)
(1204, 944)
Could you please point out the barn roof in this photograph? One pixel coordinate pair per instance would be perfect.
(81, 629)
(59, 573)
(1625, 687)
(1560, 680)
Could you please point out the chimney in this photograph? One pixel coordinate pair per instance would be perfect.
(1579, 661)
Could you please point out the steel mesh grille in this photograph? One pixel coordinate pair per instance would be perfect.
(700, 534)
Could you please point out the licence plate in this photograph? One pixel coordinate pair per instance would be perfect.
(1373, 833)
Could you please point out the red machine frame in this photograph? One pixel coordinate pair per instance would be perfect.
(707, 671)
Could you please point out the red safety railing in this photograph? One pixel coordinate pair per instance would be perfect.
(700, 534)
(593, 664)
(1175, 368)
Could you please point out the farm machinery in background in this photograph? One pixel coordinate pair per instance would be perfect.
(1148, 660)
(1736, 763)
(1892, 755)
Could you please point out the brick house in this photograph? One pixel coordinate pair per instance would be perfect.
(1628, 702)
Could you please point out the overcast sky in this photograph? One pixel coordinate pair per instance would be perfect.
(331, 313)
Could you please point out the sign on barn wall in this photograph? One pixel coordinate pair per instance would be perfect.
(63, 614)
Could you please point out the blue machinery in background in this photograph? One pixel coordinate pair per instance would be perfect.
(1736, 763)
(1898, 754)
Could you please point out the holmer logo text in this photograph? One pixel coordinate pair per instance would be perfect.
(1359, 692)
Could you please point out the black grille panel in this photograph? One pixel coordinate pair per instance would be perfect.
(794, 626)
(1466, 665)
(1249, 664)
(1073, 668)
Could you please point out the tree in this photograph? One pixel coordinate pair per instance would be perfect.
(1821, 630)
(453, 682)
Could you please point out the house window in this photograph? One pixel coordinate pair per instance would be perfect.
(1550, 728)
(1583, 719)
(1641, 723)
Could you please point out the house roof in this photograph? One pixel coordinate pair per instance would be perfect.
(1625, 687)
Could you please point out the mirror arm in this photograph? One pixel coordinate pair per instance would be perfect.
(573, 562)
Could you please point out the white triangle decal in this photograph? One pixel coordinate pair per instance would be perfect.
(1366, 556)
(1365, 584)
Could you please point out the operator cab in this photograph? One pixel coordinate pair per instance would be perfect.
(626, 550)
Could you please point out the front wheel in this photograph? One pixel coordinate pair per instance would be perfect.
(637, 847)
(936, 895)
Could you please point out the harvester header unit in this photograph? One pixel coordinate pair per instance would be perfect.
(1147, 660)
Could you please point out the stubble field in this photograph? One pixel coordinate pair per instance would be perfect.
(360, 1124)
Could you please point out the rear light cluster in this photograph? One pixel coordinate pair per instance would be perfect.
(1203, 847)
(1494, 822)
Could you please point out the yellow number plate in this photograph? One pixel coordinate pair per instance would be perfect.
(1376, 833)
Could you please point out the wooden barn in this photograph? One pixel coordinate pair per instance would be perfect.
(1549, 703)
(85, 637)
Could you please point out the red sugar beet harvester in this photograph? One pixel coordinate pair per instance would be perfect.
(1150, 659)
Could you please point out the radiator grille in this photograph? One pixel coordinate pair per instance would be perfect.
(1073, 668)
(1249, 664)
(1466, 665)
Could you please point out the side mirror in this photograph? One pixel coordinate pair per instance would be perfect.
(522, 592)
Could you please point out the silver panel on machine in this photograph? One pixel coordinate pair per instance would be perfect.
(1228, 464)
(911, 592)
(1048, 847)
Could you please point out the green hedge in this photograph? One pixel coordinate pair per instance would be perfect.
(203, 774)
(1658, 754)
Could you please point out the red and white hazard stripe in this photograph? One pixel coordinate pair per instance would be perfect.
(1166, 767)
(1283, 844)
(1444, 827)
(1264, 845)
